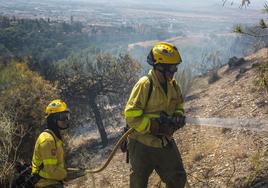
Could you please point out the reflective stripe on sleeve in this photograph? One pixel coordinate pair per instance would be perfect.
(145, 122)
(50, 161)
(133, 113)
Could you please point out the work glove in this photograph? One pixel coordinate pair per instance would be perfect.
(166, 125)
(154, 127)
(158, 129)
(73, 173)
(179, 121)
(165, 119)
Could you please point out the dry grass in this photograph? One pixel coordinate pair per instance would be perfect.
(7, 130)
(9, 147)
(262, 79)
(258, 165)
(239, 152)
(185, 78)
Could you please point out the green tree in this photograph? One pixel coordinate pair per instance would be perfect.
(97, 82)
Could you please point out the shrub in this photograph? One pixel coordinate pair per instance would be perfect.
(213, 76)
(235, 62)
(24, 93)
(23, 97)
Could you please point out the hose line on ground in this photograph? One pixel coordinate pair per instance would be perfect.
(119, 142)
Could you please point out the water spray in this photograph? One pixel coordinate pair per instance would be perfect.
(252, 124)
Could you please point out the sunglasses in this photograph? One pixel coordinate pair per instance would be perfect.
(170, 68)
(63, 116)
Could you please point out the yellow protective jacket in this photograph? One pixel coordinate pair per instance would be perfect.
(139, 111)
(48, 159)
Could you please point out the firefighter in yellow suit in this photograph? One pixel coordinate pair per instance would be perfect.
(151, 146)
(48, 156)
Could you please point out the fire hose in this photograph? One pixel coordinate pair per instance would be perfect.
(75, 172)
(117, 145)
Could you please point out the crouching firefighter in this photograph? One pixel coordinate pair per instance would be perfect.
(155, 111)
(48, 156)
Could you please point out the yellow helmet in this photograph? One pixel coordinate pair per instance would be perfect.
(56, 106)
(164, 53)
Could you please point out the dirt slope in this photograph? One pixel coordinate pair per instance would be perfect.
(213, 157)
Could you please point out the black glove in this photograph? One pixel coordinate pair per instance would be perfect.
(179, 120)
(165, 119)
(163, 125)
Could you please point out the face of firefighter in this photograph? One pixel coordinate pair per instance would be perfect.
(168, 71)
(63, 120)
(62, 124)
